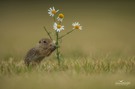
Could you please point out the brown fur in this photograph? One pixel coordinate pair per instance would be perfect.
(43, 49)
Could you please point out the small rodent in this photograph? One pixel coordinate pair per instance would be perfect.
(43, 49)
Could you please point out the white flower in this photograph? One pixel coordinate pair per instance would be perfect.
(52, 11)
(60, 17)
(76, 25)
(58, 27)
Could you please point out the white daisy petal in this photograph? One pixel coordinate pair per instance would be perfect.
(80, 27)
(53, 8)
(57, 27)
(76, 25)
(57, 10)
(60, 19)
(52, 11)
(50, 8)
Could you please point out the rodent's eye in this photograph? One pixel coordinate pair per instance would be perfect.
(44, 41)
(39, 41)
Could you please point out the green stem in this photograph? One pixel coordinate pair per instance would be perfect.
(57, 50)
(57, 44)
(65, 34)
(54, 19)
(47, 33)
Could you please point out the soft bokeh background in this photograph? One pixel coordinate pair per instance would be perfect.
(108, 26)
(104, 50)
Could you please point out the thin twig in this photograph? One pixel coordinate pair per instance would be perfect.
(47, 33)
(66, 34)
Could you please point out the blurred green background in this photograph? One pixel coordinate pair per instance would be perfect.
(108, 26)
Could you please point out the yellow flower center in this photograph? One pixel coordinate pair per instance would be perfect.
(53, 11)
(61, 16)
(76, 27)
(58, 26)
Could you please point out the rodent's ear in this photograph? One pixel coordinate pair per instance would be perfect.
(39, 41)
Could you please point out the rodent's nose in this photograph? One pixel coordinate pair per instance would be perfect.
(53, 46)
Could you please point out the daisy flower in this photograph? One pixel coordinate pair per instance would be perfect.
(60, 17)
(52, 11)
(58, 27)
(76, 25)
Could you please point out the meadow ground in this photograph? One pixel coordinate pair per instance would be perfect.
(75, 72)
(101, 56)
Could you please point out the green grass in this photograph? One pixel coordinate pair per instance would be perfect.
(74, 72)
(78, 65)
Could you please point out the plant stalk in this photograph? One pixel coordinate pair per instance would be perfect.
(65, 34)
(57, 49)
(47, 33)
